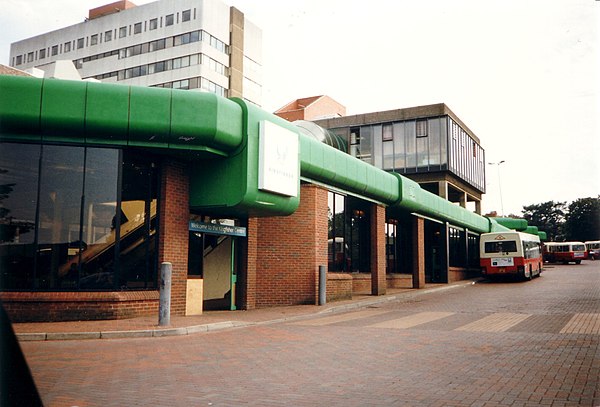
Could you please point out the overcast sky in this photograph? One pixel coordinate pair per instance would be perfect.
(522, 75)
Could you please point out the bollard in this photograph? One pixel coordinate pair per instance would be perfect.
(322, 285)
(164, 305)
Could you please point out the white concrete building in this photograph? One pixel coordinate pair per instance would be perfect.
(183, 44)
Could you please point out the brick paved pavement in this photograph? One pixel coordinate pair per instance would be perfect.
(491, 344)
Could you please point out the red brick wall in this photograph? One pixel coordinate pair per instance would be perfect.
(247, 273)
(290, 250)
(339, 286)
(418, 271)
(174, 227)
(75, 306)
(378, 281)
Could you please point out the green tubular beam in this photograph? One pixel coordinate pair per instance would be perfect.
(229, 186)
(86, 113)
(191, 123)
(416, 199)
(512, 223)
(532, 230)
(324, 164)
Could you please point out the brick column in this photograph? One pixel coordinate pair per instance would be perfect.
(174, 229)
(247, 274)
(378, 280)
(290, 250)
(418, 238)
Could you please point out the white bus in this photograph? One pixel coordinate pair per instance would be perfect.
(593, 249)
(510, 253)
(564, 252)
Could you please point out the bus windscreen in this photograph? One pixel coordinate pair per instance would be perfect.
(506, 246)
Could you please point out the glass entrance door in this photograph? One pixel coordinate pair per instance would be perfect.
(211, 257)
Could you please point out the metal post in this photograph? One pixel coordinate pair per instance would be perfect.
(164, 306)
(322, 285)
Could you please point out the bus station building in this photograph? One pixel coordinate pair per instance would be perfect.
(102, 183)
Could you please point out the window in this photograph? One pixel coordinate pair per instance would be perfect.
(507, 246)
(54, 50)
(80, 43)
(108, 36)
(30, 57)
(387, 132)
(137, 28)
(186, 15)
(19, 59)
(85, 216)
(421, 128)
(42, 53)
(169, 20)
(158, 44)
(159, 66)
(122, 32)
(183, 84)
(153, 24)
(94, 39)
(67, 46)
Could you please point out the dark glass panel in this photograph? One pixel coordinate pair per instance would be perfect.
(18, 195)
(399, 146)
(99, 219)
(61, 184)
(138, 223)
(338, 252)
(411, 145)
(434, 141)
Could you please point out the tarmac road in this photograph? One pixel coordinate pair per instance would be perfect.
(530, 343)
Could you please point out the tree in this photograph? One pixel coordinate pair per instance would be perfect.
(583, 220)
(547, 216)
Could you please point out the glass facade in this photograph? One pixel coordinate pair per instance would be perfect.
(349, 234)
(419, 146)
(77, 218)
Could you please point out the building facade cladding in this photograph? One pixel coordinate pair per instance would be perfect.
(183, 44)
(415, 141)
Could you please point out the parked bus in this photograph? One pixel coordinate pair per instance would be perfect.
(593, 249)
(510, 253)
(564, 252)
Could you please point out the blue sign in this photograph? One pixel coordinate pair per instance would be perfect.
(216, 229)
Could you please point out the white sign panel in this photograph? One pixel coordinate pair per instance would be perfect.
(278, 160)
(502, 262)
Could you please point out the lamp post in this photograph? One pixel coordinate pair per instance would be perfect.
(499, 184)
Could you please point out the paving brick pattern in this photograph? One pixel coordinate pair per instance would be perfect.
(529, 344)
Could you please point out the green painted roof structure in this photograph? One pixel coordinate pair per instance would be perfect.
(218, 136)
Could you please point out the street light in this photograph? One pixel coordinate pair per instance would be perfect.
(499, 184)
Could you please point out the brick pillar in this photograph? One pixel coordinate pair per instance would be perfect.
(290, 250)
(247, 277)
(418, 238)
(378, 280)
(174, 221)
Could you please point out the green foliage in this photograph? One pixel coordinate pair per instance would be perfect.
(579, 221)
(547, 216)
(583, 220)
